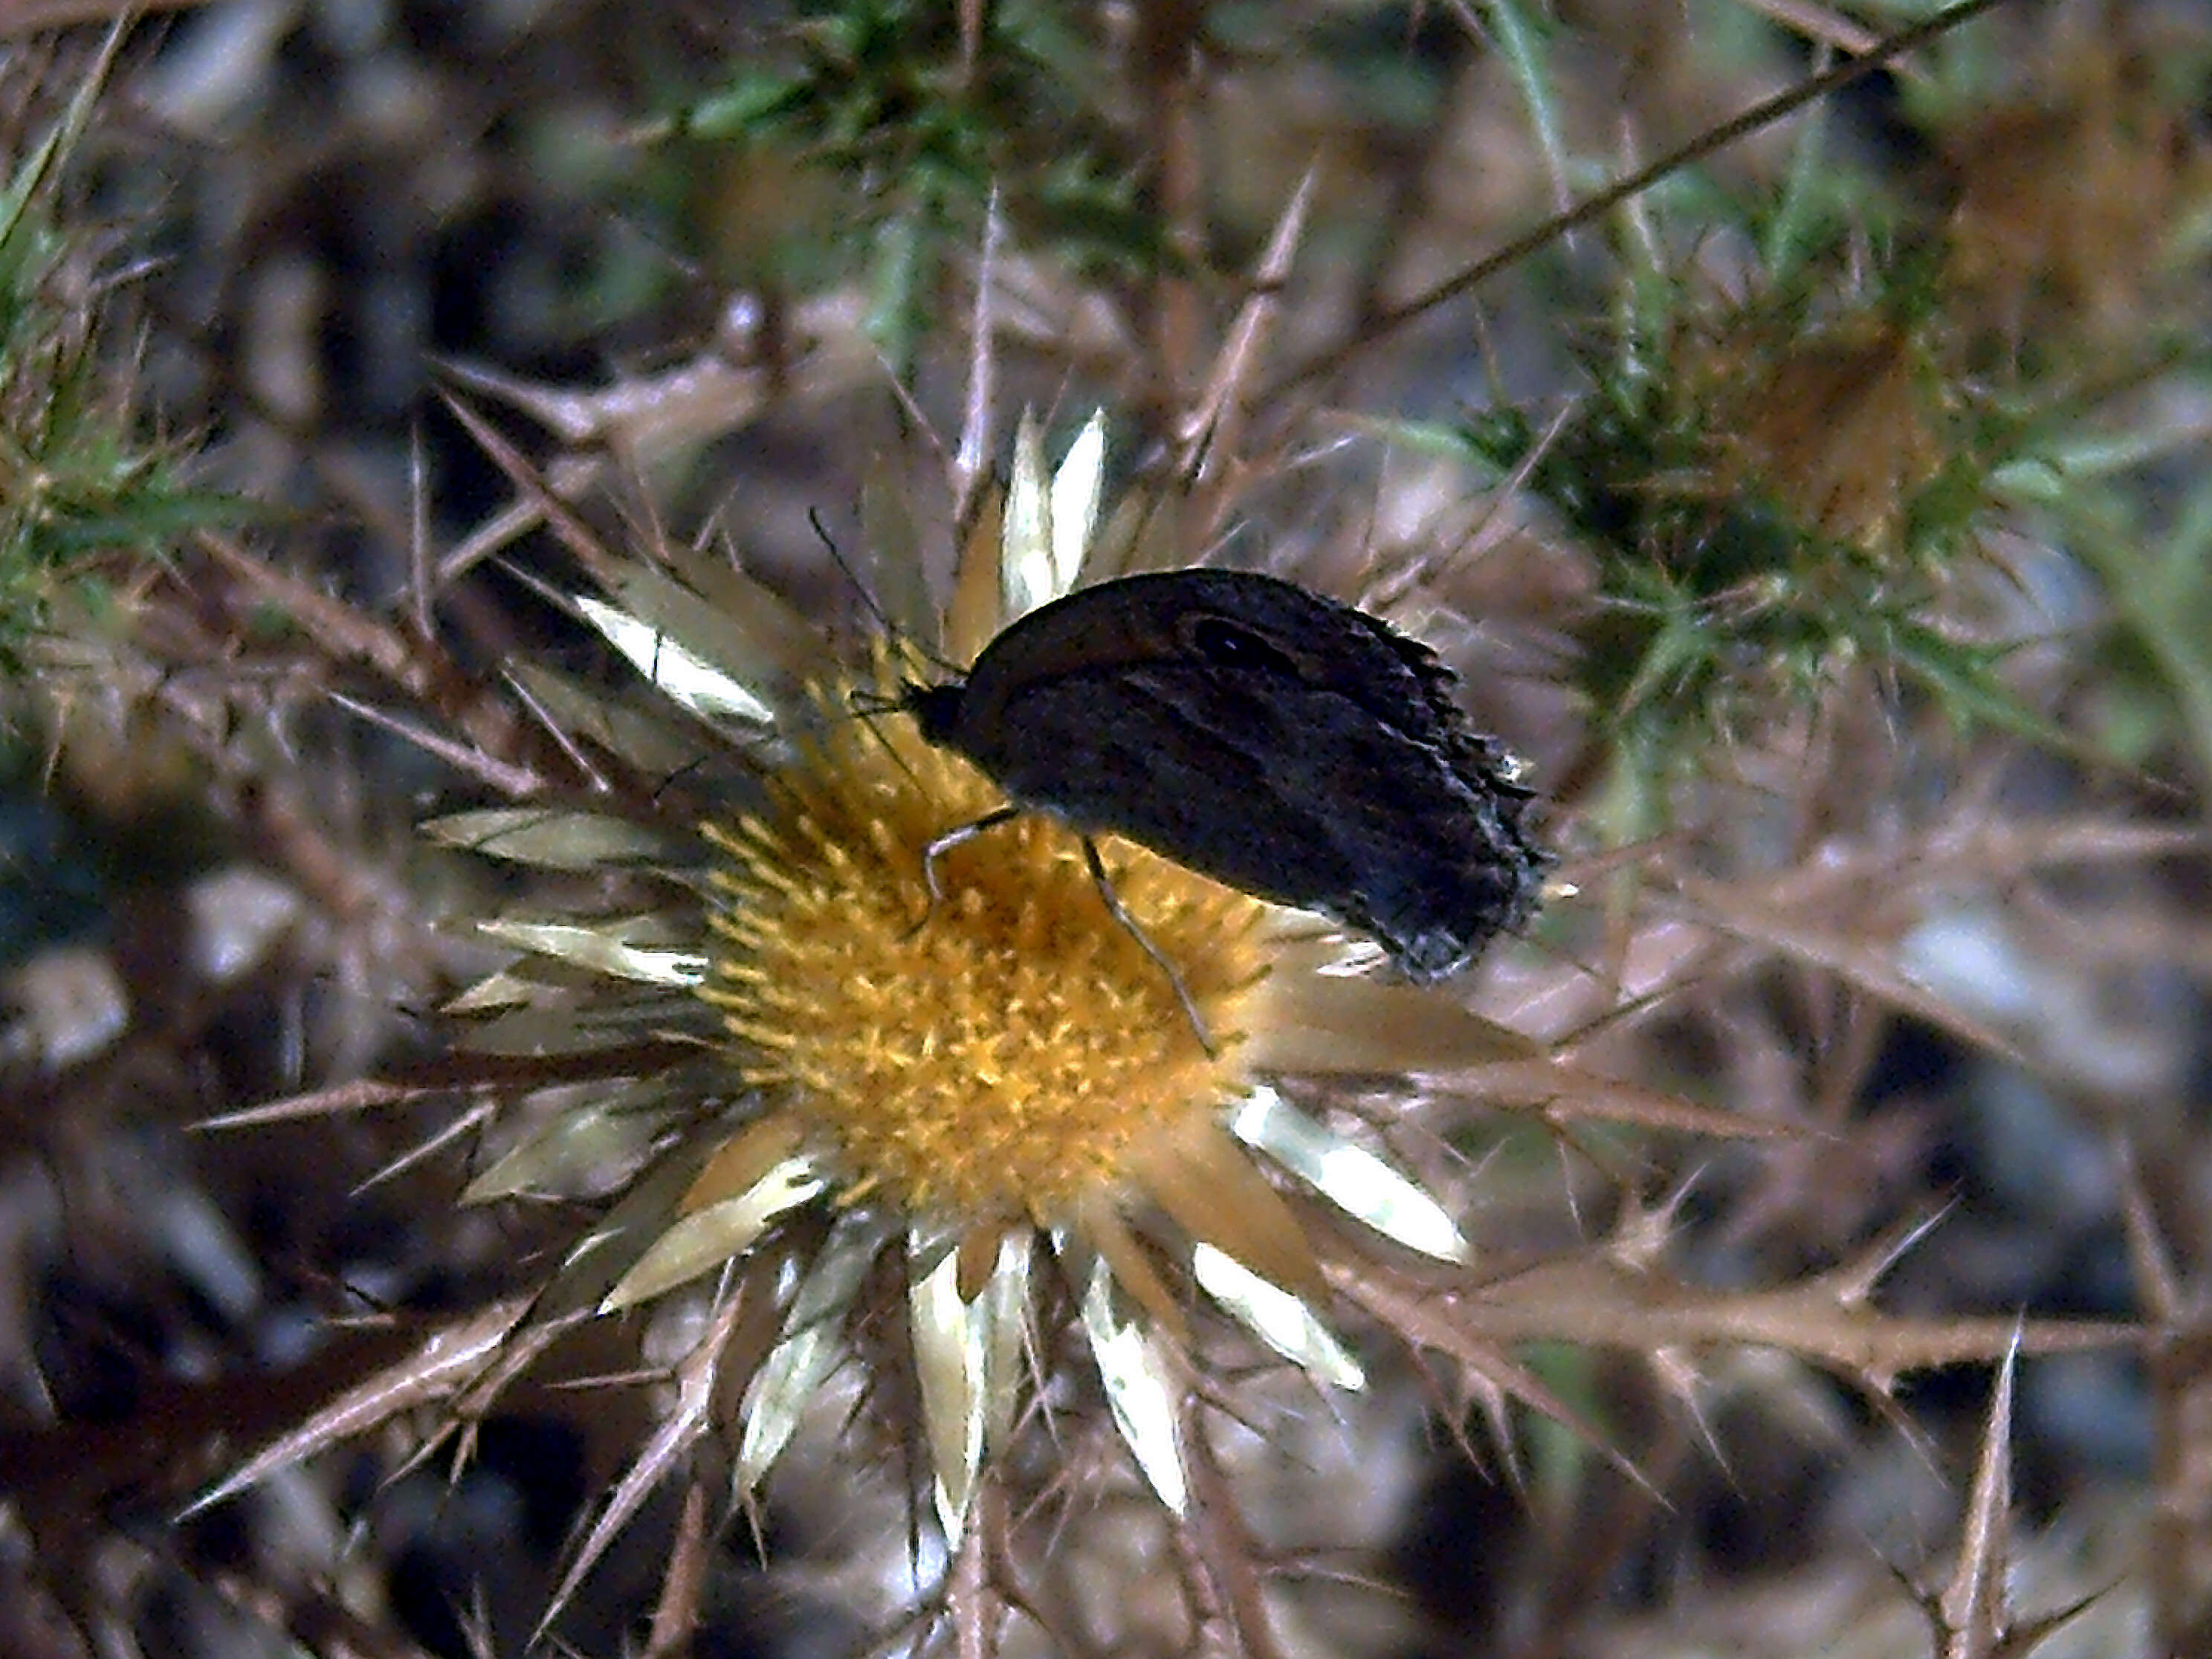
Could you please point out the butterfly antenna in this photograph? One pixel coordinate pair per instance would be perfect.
(891, 631)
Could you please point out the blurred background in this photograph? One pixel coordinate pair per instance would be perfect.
(1826, 524)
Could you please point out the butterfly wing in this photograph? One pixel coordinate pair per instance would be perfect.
(1291, 792)
(1284, 743)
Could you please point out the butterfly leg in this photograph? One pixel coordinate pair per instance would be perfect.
(1115, 908)
(945, 843)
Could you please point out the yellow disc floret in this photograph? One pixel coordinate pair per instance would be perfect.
(995, 1053)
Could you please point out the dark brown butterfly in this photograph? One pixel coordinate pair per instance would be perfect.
(1277, 741)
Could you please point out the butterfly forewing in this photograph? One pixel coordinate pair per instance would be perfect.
(1280, 742)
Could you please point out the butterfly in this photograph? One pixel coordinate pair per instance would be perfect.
(1284, 743)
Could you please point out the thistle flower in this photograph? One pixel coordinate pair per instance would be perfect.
(1840, 427)
(2069, 190)
(803, 1079)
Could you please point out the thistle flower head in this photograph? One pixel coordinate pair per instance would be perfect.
(1048, 1045)
(815, 1068)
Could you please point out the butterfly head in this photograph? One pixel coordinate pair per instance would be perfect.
(935, 709)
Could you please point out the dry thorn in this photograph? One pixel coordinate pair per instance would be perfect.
(677, 1615)
(1759, 115)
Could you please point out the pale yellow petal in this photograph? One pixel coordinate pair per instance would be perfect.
(1202, 1179)
(1141, 1390)
(600, 946)
(1333, 1022)
(966, 1352)
(552, 839)
(1284, 1322)
(807, 1352)
(1077, 488)
(674, 668)
(599, 1138)
(1350, 1177)
(1026, 577)
(738, 1163)
(705, 1239)
(976, 611)
(950, 1346)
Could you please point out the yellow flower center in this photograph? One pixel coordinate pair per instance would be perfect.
(1001, 1052)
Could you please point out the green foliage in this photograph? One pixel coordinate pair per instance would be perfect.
(908, 137)
(1780, 487)
(2155, 668)
(77, 481)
